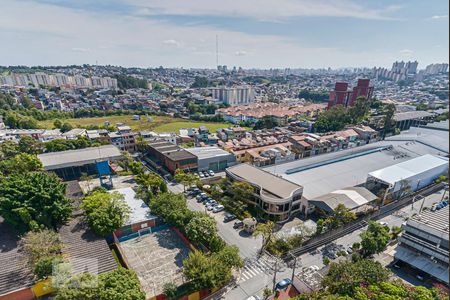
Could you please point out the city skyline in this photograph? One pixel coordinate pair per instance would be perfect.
(295, 34)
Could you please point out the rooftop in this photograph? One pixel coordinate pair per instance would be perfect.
(84, 249)
(351, 197)
(275, 185)
(206, 152)
(437, 219)
(409, 115)
(70, 158)
(139, 210)
(349, 172)
(409, 168)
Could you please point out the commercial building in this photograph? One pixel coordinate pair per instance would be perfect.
(342, 96)
(212, 158)
(412, 174)
(405, 120)
(71, 164)
(357, 199)
(234, 96)
(424, 245)
(278, 198)
(333, 171)
(171, 156)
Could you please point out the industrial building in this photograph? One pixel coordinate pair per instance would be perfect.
(424, 245)
(171, 156)
(70, 165)
(405, 120)
(412, 174)
(333, 171)
(278, 198)
(357, 199)
(212, 158)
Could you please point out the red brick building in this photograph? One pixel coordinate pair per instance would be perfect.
(341, 95)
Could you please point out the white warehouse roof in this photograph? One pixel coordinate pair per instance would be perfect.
(79, 157)
(409, 168)
(139, 210)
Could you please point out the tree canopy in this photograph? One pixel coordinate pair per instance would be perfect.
(120, 284)
(105, 211)
(32, 200)
(375, 239)
(201, 228)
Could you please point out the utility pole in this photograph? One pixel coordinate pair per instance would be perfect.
(423, 202)
(275, 275)
(293, 266)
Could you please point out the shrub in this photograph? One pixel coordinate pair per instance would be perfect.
(44, 266)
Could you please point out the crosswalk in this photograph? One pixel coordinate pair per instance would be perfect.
(254, 268)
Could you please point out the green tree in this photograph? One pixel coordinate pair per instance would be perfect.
(29, 145)
(395, 231)
(388, 121)
(105, 211)
(8, 149)
(20, 164)
(374, 239)
(266, 231)
(344, 277)
(229, 255)
(170, 289)
(359, 110)
(116, 285)
(205, 271)
(57, 123)
(172, 208)
(136, 167)
(29, 201)
(151, 183)
(201, 228)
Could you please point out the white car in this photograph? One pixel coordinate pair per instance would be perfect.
(383, 224)
(211, 173)
(253, 298)
(218, 208)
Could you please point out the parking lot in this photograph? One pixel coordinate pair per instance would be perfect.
(157, 259)
(248, 245)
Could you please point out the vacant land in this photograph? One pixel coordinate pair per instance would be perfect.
(157, 259)
(153, 123)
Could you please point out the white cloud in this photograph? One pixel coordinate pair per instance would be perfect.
(171, 43)
(78, 49)
(241, 53)
(261, 9)
(406, 53)
(437, 17)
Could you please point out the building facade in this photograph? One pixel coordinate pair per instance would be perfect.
(278, 198)
(342, 96)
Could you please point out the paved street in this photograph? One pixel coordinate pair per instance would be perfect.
(395, 219)
(247, 244)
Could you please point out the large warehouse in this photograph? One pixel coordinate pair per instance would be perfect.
(71, 164)
(417, 173)
(212, 158)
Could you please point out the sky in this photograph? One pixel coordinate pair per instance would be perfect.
(250, 33)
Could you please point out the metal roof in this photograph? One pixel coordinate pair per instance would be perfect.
(438, 219)
(71, 158)
(139, 210)
(273, 184)
(207, 152)
(84, 249)
(351, 197)
(409, 168)
(410, 115)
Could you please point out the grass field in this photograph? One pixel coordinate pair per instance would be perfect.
(157, 124)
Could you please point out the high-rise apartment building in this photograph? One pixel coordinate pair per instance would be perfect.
(342, 96)
(234, 96)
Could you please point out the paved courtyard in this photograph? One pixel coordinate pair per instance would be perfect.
(157, 259)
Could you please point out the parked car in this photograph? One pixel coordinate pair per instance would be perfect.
(229, 217)
(349, 250)
(205, 174)
(420, 276)
(201, 175)
(218, 208)
(254, 297)
(196, 191)
(383, 224)
(211, 173)
(281, 285)
(238, 224)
